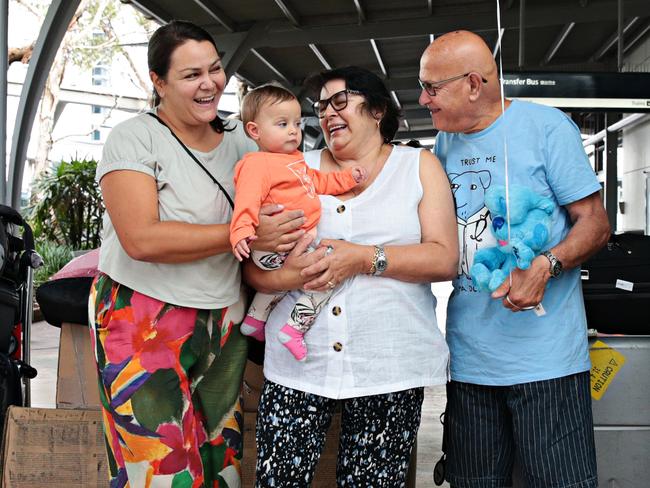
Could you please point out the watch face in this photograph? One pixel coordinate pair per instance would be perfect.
(556, 269)
(381, 264)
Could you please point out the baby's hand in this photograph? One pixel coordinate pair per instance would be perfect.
(359, 174)
(241, 249)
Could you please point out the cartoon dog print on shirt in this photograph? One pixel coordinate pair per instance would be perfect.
(472, 215)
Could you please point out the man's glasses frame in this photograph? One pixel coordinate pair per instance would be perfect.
(320, 106)
(431, 88)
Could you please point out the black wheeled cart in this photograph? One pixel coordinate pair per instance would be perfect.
(18, 259)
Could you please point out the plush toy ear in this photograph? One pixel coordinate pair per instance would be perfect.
(547, 205)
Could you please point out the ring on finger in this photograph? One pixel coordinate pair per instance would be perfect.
(331, 284)
(516, 307)
(329, 251)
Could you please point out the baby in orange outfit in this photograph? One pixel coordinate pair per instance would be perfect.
(279, 174)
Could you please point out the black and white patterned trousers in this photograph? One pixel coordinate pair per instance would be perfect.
(377, 435)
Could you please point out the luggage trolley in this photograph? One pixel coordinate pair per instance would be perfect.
(18, 260)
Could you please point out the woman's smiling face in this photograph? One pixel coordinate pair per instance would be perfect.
(350, 126)
(194, 83)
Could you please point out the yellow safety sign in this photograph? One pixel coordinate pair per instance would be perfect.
(606, 362)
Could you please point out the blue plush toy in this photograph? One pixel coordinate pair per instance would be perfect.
(530, 230)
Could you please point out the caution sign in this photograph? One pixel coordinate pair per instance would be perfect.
(606, 362)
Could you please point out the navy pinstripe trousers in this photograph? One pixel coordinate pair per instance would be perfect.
(547, 425)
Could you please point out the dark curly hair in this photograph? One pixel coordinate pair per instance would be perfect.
(374, 90)
(162, 45)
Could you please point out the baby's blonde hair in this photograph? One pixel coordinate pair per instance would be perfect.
(269, 93)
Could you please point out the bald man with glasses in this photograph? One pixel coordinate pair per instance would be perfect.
(519, 377)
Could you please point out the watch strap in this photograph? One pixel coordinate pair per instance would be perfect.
(555, 266)
(375, 258)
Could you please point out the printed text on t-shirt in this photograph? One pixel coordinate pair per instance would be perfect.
(477, 160)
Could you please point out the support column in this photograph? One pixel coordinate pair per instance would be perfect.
(55, 25)
(611, 169)
(4, 65)
(235, 47)
(522, 33)
(619, 44)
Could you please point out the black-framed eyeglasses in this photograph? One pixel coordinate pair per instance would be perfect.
(431, 88)
(338, 101)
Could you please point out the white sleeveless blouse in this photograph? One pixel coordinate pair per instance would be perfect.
(376, 335)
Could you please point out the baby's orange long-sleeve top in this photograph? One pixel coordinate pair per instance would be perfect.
(262, 178)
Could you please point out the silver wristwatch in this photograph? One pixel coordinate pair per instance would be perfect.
(379, 261)
(555, 268)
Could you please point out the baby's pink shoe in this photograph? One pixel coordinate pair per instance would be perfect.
(253, 328)
(294, 341)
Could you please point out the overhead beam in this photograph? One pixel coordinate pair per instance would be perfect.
(270, 66)
(217, 14)
(55, 25)
(416, 113)
(151, 9)
(537, 16)
(637, 38)
(396, 99)
(612, 40)
(361, 14)
(380, 61)
(559, 40)
(321, 57)
(234, 48)
(288, 12)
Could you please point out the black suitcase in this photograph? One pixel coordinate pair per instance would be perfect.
(616, 286)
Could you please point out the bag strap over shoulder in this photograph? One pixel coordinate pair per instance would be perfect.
(196, 160)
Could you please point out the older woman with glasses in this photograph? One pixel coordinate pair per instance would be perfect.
(377, 344)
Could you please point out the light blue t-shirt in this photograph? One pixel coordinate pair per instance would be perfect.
(489, 344)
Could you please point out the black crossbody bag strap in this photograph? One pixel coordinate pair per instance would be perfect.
(223, 190)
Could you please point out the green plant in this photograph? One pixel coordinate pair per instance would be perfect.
(67, 206)
(55, 256)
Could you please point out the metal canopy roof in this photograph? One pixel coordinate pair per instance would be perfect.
(286, 40)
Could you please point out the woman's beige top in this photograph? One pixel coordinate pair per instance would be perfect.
(186, 194)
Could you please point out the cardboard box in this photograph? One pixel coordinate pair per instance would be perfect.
(58, 448)
(76, 384)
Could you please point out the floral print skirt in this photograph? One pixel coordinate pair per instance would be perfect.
(169, 382)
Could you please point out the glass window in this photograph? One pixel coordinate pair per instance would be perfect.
(100, 76)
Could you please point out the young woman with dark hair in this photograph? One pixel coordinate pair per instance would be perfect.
(168, 303)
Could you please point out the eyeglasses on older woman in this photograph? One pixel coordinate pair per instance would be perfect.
(338, 101)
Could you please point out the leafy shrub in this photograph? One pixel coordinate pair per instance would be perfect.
(66, 206)
(55, 256)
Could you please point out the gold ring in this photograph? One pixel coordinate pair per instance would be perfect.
(533, 307)
(331, 284)
(511, 303)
